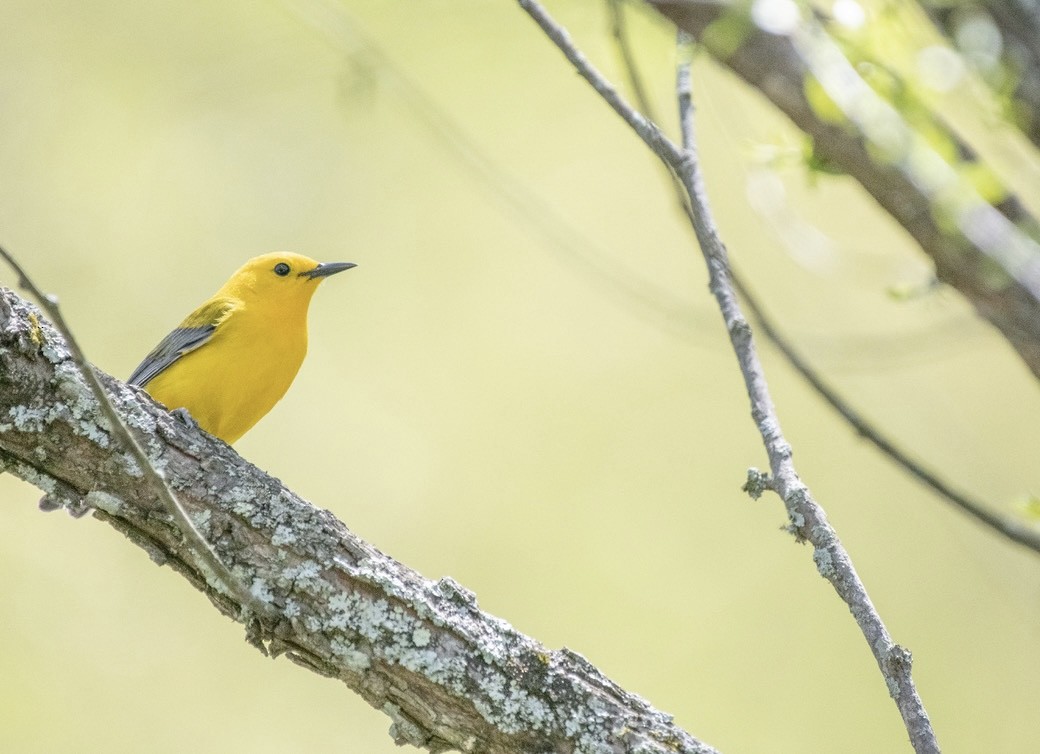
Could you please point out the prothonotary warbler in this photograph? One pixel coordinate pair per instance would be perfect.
(234, 357)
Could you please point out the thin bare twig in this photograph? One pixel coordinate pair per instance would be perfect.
(619, 30)
(808, 520)
(212, 568)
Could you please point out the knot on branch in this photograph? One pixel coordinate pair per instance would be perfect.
(757, 483)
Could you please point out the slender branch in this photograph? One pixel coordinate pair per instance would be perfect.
(623, 44)
(619, 30)
(808, 520)
(807, 517)
(215, 571)
(447, 674)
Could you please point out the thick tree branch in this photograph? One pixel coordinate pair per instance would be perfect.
(808, 520)
(448, 675)
(984, 251)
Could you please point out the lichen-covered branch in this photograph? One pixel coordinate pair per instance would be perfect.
(808, 519)
(986, 251)
(448, 675)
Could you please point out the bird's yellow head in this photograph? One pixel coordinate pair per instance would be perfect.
(234, 357)
(280, 279)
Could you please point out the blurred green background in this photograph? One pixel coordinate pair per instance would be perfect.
(524, 385)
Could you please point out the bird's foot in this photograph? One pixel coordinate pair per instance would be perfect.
(185, 418)
(77, 508)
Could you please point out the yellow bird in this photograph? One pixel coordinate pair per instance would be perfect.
(234, 357)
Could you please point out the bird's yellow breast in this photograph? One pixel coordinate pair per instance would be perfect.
(230, 382)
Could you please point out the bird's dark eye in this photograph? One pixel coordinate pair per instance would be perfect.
(281, 269)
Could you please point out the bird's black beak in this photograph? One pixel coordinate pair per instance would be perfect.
(327, 268)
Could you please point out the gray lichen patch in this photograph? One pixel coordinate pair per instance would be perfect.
(39, 479)
(261, 590)
(30, 419)
(824, 562)
(510, 707)
(365, 626)
(420, 637)
(283, 535)
(83, 408)
(35, 419)
(53, 353)
(105, 501)
(202, 519)
(352, 658)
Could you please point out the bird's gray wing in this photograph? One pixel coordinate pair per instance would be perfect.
(195, 331)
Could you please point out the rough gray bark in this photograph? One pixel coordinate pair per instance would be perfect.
(448, 675)
(962, 248)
